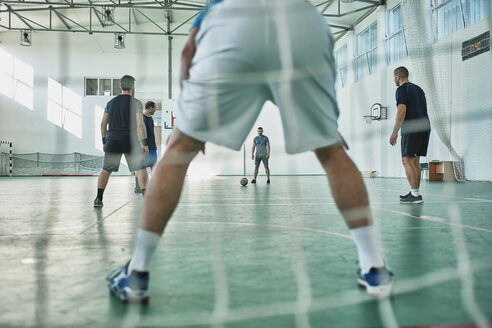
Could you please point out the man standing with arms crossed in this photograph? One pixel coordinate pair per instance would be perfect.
(227, 49)
(262, 145)
(123, 114)
(415, 127)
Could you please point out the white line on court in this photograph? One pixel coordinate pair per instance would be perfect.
(433, 219)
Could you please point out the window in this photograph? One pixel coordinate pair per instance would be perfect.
(341, 67)
(102, 86)
(16, 79)
(64, 108)
(396, 45)
(449, 16)
(366, 52)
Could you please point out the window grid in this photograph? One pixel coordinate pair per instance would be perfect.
(366, 52)
(101, 86)
(449, 16)
(341, 67)
(396, 43)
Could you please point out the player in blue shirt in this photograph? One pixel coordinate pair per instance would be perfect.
(262, 145)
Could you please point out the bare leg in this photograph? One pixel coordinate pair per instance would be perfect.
(164, 188)
(267, 171)
(350, 195)
(411, 172)
(418, 170)
(103, 179)
(142, 178)
(346, 186)
(256, 171)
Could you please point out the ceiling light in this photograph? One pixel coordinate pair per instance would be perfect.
(119, 41)
(25, 38)
(108, 16)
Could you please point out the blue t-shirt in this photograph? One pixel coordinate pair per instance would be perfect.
(413, 97)
(149, 126)
(122, 122)
(260, 142)
(198, 20)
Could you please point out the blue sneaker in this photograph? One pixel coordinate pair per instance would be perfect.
(377, 281)
(129, 287)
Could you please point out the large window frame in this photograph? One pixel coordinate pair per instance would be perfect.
(341, 64)
(366, 52)
(450, 16)
(396, 41)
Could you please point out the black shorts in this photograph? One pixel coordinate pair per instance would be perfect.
(134, 155)
(414, 144)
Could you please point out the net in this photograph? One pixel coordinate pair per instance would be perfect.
(440, 73)
(53, 164)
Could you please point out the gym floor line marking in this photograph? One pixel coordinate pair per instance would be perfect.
(436, 195)
(272, 226)
(433, 219)
(107, 216)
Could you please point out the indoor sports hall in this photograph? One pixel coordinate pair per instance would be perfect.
(252, 242)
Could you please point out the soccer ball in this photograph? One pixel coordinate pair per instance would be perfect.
(244, 181)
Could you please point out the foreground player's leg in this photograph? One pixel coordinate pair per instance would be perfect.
(102, 182)
(163, 192)
(351, 198)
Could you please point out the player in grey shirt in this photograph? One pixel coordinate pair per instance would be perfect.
(262, 145)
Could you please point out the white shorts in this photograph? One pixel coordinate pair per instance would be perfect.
(252, 51)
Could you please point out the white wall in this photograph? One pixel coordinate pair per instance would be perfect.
(464, 85)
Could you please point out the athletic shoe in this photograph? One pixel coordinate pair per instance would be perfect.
(253, 181)
(138, 190)
(405, 196)
(129, 287)
(377, 281)
(411, 199)
(98, 202)
(268, 181)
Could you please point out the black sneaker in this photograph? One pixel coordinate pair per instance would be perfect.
(411, 199)
(405, 196)
(253, 181)
(268, 180)
(138, 190)
(98, 202)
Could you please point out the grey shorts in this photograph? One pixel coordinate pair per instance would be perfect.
(250, 52)
(261, 158)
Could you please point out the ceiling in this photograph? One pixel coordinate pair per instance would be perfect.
(153, 17)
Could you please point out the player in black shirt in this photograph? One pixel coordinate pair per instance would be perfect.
(126, 136)
(414, 122)
(151, 158)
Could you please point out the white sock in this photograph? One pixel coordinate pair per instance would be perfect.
(145, 246)
(415, 192)
(367, 248)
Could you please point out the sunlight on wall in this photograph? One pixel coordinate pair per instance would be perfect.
(64, 108)
(98, 114)
(16, 79)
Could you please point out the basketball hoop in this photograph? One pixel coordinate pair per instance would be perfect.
(368, 118)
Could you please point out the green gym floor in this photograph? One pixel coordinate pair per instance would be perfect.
(263, 255)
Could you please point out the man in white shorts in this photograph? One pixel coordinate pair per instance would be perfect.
(240, 54)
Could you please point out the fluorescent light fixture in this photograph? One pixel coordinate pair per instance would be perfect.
(119, 41)
(25, 38)
(108, 16)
